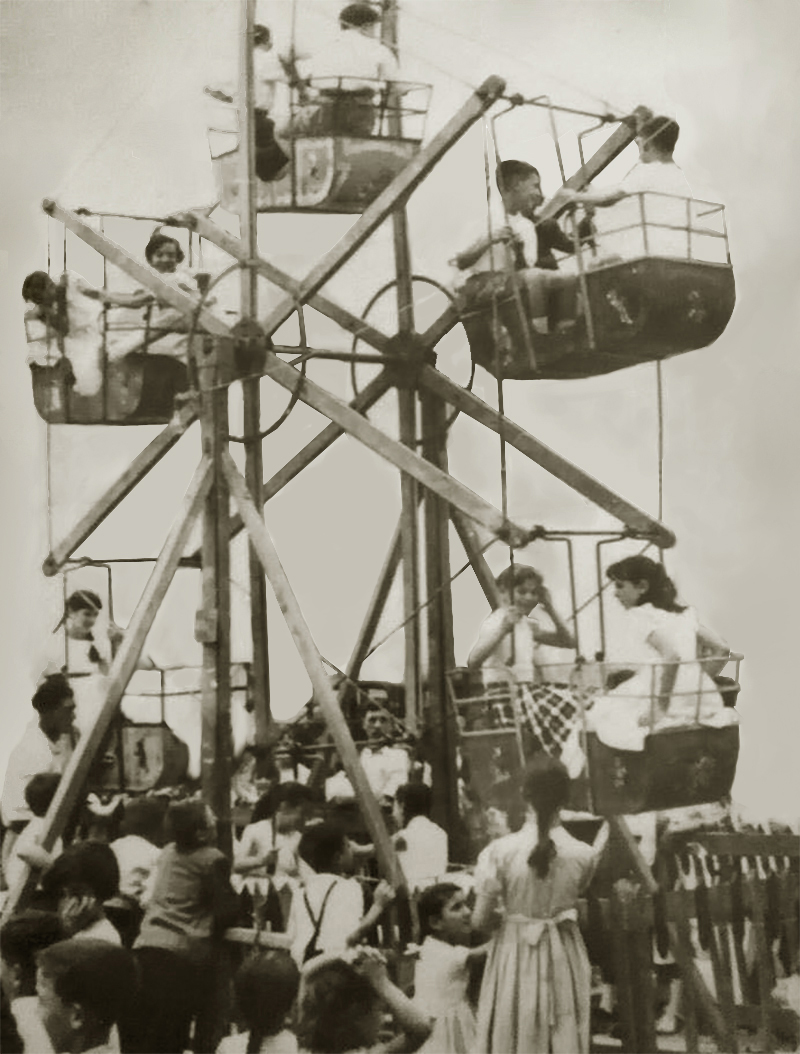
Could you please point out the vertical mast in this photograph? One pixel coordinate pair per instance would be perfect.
(251, 389)
(407, 409)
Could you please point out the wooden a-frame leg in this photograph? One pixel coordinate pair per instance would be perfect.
(122, 669)
(691, 975)
(324, 694)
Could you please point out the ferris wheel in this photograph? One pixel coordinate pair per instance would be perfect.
(632, 310)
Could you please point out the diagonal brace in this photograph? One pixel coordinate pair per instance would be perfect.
(443, 484)
(312, 660)
(119, 489)
(554, 463)
(122, 669)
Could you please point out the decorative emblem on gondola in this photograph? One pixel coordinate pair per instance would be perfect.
(619, 776)
(702, 775)
(698, 312)
(619, 305)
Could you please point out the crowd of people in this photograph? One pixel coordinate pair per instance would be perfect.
(120, 946)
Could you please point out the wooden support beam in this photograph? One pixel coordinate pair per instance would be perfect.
(422, 470)
(619, 139)
(122, 668)
(143, 274)
(212, 626)
(554, 463)
(683, 958)
(441, 651)
(105, 505)
(394, 195)
(309, 653)
(376, 606)
(318, 445)
(251, 387)
(209, 230)
(469, 539)
(409, 542)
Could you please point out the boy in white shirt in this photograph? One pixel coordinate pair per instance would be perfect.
(421, 844)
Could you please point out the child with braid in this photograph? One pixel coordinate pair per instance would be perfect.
(527, 886)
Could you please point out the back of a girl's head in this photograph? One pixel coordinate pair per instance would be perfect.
(266, 987)
(334, 1001)
(85, 868)
(186, 824)
(431, 903)
(661, 591)
(514, 576)
(546, 789)
(321, 846)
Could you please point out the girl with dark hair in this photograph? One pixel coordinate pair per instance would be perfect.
(673, 659)
(506, 653)
(442, 976)
(191, 904)
(266, 987)
(527, 886)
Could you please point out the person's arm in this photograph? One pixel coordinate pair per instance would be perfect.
(138, 299)
(384, 895)
(712, 650)
(601, 198)
(247, 855)
(560, 636)
(416, 1026)
(491, 633)
(469, 256)
(668, 672)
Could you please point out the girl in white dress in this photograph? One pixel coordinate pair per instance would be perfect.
(536, 988)
(673, 661)
(443, 971)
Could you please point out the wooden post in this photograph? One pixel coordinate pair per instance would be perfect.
(122, 668)
(212, 628)
(441, 650)
(251, 388)
(323, 692)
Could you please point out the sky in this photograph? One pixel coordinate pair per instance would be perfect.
(101, 104)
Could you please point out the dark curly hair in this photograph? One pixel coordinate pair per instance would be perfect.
(333, 1004)
(661, 591)
(431, 903)
(516, 575)
(155, 243)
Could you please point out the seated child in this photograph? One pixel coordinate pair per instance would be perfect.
(80, 881)
(443, 971)
(328, 915)
(505, 651)
(341, 1007)
(266, 988)
(27, 849)
(21, 939)
(84, 989)
(137, 851)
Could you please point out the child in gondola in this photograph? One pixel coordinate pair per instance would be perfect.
(505, 651)
(527, 889)
(442, 975)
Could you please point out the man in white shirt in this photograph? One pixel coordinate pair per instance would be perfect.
(421, 844)
(348, 72)
(503, 259)
(652, 199)
(46, 746)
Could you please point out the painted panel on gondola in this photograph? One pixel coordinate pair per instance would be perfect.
(326, 175)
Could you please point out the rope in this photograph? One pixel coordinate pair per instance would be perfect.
(660, 408)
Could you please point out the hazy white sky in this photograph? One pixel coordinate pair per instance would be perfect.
(101, 105)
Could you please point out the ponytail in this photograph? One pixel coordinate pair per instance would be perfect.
(546, 790)
(545, 848)
(254, 1040)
